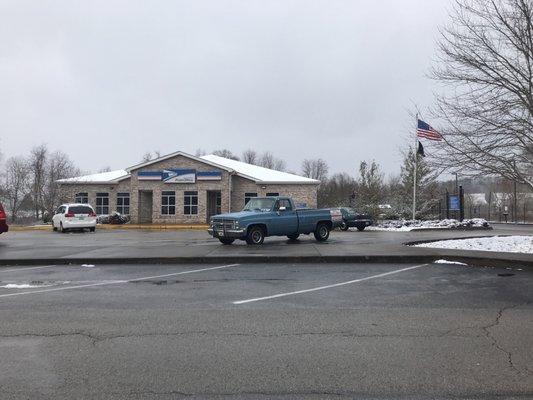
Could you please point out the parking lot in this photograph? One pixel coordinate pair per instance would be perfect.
(160, 244)
(266, 331)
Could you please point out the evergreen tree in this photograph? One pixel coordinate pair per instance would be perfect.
(370, 187)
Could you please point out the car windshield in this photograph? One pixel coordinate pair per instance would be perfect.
(259, 204)
(80, 210)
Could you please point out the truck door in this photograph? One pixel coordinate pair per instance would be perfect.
(284, 220)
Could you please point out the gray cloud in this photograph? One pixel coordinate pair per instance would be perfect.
(106, 81)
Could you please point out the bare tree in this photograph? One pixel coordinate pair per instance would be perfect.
(37, 167)
(370, 187)
(58, 166)
(226, 154)
(337, 191)
(200, 152)
(250, 156)
(268, 160)
(17, 184)
(486, 62)
(104, 169)
(315, 169)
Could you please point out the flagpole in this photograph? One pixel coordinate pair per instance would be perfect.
(415, 165)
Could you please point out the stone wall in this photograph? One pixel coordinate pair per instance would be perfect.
(68, 192)
(300, 193)
(158, 187)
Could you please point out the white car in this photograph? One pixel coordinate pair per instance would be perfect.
(74, 216)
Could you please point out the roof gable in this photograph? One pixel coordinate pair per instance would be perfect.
(175, 154)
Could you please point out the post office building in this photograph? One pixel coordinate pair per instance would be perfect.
(181, 188)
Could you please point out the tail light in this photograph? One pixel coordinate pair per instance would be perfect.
(69, 215)
(93, 214)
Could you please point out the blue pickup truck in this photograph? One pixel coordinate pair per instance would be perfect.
(273, 216)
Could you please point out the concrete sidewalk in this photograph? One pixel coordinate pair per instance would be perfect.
(195, 246)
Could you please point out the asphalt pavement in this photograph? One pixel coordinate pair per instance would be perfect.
(119, 245)
(284, 331)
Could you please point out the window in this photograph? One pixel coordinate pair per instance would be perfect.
(168, 202)
(248, 196)
(219, 203)
(260, 204)
(284, 203)
(190, 203)
(81, 198)
(102, 203)
(80, 210)
(123, 203)
(272, 194)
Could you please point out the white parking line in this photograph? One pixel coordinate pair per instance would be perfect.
(26, 269)
(117, 281)
(328, 286)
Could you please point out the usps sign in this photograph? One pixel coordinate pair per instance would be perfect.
(179, 176)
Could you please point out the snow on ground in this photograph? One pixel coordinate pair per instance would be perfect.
(21, 286)
(409, 225)
(442, 261)
(506, 244)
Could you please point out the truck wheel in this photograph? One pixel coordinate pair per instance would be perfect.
(226, 240)
(322, 232)
(344, 226)
(255, 235)
(360, 228)
(293, 236)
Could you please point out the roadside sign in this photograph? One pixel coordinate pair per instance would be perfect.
(454, 203)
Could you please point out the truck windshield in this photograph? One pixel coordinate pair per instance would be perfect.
(258, 204)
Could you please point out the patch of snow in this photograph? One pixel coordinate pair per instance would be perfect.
(409, 225)
(442, 261)
(506, 244)
(256, 172)
(102, 177)
(21, 286)
(88, 265)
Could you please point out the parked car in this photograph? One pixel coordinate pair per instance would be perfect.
(273, 216)
(74, 216)
(4, 227)
(351, 218)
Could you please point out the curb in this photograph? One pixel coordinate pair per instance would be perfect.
(112, 227)
(462, 229)
(373, 259)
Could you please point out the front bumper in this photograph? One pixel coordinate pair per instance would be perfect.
(227, 233)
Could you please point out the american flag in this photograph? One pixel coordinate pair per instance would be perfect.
(424, 130)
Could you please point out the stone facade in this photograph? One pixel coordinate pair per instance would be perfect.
(230, 183)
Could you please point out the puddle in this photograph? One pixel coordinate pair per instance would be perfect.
(506, 274)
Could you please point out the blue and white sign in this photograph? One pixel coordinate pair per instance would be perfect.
(454, 203)
(209, 176)
(149, 175)
(179, 176)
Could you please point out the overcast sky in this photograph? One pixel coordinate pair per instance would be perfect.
(106, 81)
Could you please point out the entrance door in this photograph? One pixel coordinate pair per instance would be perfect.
(214, 203)
(146, 201)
